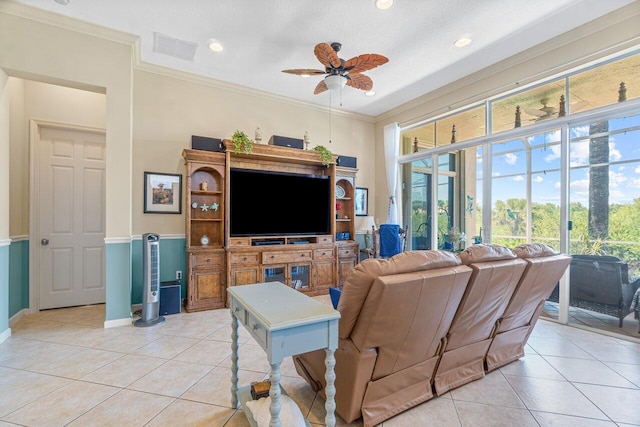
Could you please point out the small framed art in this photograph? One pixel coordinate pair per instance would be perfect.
(162, 193)
(362, 201)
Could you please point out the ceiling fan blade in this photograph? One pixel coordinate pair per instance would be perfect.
(304, 71)
(360, 81)
(326, 55)
(365, 62)
(320, 88)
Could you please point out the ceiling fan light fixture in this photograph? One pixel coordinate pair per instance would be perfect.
(384, 4)
(215, 45)
(305, 75)
(335, 81)
(462, 42)
(370, 93)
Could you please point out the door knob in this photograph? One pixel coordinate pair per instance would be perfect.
(44, 242)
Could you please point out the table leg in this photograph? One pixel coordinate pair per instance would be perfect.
(330, 389)
(274, 393)
(234, 361)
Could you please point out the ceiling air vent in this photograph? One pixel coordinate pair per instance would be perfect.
(174, 47)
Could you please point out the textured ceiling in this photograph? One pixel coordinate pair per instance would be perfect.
(261, 38)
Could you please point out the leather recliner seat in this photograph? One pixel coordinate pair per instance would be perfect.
(544, 269)
(395, 315)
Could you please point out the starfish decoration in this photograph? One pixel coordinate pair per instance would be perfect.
(204, 207)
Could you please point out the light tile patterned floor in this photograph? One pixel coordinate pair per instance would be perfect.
(60, 367)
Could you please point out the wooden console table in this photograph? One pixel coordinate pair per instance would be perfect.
(285, 323)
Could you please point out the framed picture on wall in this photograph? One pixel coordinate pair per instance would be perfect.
(362, 201)
(162, 193)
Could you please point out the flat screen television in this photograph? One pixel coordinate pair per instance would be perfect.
(265, 203)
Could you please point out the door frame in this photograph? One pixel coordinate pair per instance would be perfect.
(35, 125)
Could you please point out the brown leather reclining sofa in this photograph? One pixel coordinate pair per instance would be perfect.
(421, 323)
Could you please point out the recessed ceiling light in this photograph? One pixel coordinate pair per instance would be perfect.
(62, 2)
(305, 75)
(370, 93)
(215, 45)
(462, 42)
(384, 4)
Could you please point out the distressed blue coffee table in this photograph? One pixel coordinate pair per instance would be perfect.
(284, 322)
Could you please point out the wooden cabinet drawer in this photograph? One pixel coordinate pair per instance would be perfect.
(284, 257)
(243, 259)
(322, 254)
(206, 260)
(325, 239)
(235, 241)
(346, 252)
(257, 329)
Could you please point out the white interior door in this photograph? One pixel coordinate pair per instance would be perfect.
(71, 216)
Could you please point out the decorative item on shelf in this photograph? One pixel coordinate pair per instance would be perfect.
(306, 140)
(204, 207)
(340, 193)
(214, 206)
(455, 237)
(338, 209)
(195, 205)
(204, 240)
(241, 142)
(518, 121)
(204, 186)
(258, 135)
(453, 134)
(325, 154)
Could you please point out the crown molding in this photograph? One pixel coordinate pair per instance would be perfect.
(244, 90)
(609, 22)
(62, 21)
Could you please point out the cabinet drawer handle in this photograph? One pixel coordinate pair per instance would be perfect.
(302, 255)
(272, 256)
(244, 259)
(208, 259)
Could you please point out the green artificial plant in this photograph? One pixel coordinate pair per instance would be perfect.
(241, 142)
(325, 154)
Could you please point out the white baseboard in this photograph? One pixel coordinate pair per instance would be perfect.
(5, 334)
(136, 307)
(117, 322)
(19, 315)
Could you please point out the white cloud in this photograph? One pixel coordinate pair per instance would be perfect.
(634, 183)
(579, 153)
(637, 169)
(510, 158)
(615, 179)
(496, 174)
(557, 185)
(518, 178)
(538, 178)
(614, 153)
(580, 185)
(554, 155)
(621, 168)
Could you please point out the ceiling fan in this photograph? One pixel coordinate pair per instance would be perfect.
(340, 72)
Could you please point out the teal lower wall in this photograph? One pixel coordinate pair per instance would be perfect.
(118, 260)
(173, 258)
(4, 288)
(18, 276)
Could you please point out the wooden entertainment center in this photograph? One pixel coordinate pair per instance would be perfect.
(309, 263)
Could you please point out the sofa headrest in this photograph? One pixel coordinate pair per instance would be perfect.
(534, 250)
(361, 278)
(485, 253)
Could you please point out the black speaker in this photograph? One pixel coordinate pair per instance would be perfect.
(347, 162)
(283, 141)
(207, 144)
(170, 297)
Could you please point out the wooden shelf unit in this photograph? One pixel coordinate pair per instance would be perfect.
(315, 262)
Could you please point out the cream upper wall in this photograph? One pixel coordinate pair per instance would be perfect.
(51, 53)
(44, 102)
(4, 157)
(168, 110)
(605, 36)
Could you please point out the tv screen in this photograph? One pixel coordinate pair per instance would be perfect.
(264, 203)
